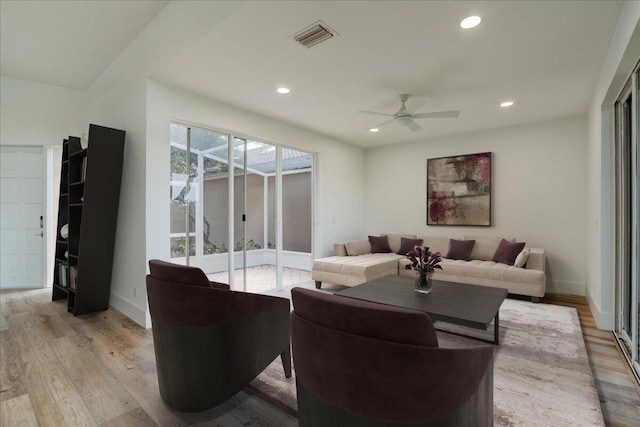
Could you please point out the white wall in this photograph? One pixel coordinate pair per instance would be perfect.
(340, 166)
(118, 99)
(538, 190)
(123, 107)
(623, 54)
(38, 114)
(340, 171)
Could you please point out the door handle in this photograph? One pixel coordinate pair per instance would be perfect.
(41, 233)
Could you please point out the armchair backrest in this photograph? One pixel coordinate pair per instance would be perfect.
(183, 274)
(363, 318)
(209, 341)
(181, 296)
(379, 362)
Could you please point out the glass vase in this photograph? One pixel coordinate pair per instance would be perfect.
(423, 283)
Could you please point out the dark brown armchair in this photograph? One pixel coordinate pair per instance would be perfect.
(364, 364)
(210, 342)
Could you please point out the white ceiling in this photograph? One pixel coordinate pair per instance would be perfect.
(544, 55)
(68, 43)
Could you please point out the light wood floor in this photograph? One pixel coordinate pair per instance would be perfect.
(618, 391)
(95, 369)
(99, 369)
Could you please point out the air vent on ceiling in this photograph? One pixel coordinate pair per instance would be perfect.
(316, 33)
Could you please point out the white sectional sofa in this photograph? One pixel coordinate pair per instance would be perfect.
(353, 264)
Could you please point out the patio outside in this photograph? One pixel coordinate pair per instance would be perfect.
(200, 201)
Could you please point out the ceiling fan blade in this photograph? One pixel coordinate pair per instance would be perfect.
(382, 124)
(438, 115)
(413, 126)
(374, 113)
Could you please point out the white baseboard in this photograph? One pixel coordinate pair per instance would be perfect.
(132, 311)
(604, 321)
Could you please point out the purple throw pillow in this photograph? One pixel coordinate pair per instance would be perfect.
(507, 252)
(407, 244)
(379, 244)
(460, 249)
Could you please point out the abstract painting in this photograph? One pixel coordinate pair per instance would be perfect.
(459, 190)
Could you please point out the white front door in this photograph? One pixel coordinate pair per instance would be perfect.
(21, 214)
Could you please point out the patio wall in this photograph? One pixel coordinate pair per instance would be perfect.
(296, 211)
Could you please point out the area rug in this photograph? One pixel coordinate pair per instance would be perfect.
(542, 375)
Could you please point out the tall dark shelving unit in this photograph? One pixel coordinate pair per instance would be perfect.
(89, 197)
(61, 274)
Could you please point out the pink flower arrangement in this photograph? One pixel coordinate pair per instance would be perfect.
(423, 260)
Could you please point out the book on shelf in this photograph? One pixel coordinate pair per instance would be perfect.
(84, 169)
(62, 274)
(73, 276)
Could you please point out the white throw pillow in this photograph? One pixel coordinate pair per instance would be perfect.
(358, 247)
(521, 259)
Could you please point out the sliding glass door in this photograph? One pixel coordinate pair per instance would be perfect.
(249, 225)
(255, 269)
(627, 221)
(198, 196)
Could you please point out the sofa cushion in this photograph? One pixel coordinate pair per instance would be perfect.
(436, 244)
(491, 270)
(507, 252)
(485, 247)
(379, 244)
(460, 249)
(367, 265)
(408, 244)
(395, 240)
(358, 247)
(521, 259)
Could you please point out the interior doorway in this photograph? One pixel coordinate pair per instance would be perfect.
(244, 206)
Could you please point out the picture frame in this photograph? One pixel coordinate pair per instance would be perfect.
(459, 190)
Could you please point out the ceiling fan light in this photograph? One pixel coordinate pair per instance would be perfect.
(470, 22)
(403, 121)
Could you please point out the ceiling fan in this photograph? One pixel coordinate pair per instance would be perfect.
(406, 117)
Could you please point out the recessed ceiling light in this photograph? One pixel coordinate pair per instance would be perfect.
(374, 130)
(283, 90)
(506, 104)
(470, 22)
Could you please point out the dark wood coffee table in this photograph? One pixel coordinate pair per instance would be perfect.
(467, 305)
